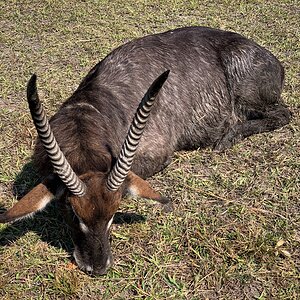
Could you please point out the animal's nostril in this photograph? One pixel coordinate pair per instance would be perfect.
(90, 273)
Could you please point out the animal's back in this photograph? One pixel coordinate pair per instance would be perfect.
(197, 103)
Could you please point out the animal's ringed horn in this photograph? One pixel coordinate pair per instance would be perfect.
(57, 158)
(125, 159)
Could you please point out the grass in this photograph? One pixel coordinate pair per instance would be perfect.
(234, 233)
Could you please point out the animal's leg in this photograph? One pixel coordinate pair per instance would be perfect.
(147, 166)
(136, 186)
(257, 122)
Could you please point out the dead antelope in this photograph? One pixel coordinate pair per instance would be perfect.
(221, 88)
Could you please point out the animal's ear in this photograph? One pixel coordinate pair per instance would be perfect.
(34, 201)
(136, 186)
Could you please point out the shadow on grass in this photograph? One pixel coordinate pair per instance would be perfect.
(49, 224)
(25, 180)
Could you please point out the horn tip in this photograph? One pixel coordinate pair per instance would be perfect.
(158, 83)
(166, 73)
(31, 88)
(32, 80)
(163, 77)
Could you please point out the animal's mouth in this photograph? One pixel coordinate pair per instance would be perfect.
(89, 268)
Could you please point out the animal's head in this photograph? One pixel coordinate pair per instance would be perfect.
(90, 217)
(92, 198)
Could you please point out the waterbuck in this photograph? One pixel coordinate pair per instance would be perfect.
(222, 87)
